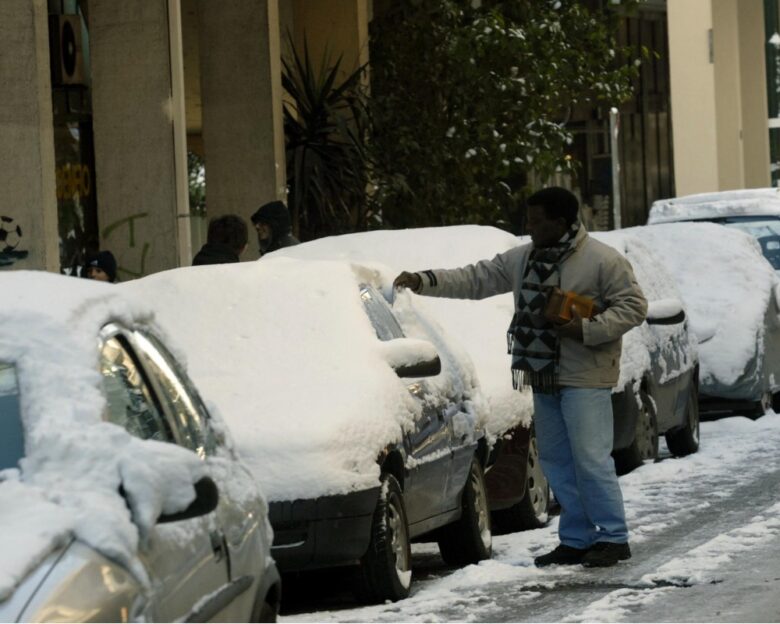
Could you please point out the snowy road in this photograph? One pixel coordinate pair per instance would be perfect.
(705, 535)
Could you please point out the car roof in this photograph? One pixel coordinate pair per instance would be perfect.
(706, 206)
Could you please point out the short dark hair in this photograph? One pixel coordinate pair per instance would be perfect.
(229, 230)
(556, 202)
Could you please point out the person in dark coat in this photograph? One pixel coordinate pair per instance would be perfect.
(272, 222)
(225, 242)
(102, 267)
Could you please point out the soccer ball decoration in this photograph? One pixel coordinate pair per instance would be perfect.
(10, 234)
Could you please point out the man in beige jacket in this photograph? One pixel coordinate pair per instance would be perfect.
(571, 366)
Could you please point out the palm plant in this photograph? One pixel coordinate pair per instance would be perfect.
(325, 125)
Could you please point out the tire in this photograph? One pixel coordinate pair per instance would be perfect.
(267, 613)
(469, 539)
(685, 440)
(761, 407)
(386, 570)
(644, 446)
(532, 512)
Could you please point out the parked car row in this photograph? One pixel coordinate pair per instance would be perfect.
(341, 420)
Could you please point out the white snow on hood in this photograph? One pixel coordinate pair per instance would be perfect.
(479, 326)
(703, 206)
(68, 482)
(286, 353)
(725, 283)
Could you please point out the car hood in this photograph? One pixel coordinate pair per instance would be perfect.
(299, 376)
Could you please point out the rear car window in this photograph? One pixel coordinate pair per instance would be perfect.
(11, 431)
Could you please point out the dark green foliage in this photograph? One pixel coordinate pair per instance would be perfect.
(466, 101)
(325, 127)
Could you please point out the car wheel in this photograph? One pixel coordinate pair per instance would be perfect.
(532, 511)
(386, 568)
(267, 613)
(644, 447)
(469, 539)
(685, 440)
(762, 406)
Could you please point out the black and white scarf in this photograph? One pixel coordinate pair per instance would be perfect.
(532, 342)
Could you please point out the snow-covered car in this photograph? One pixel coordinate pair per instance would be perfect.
(120, 498)
(731, 294)
(656, 393)
(518, 492)
(357, 420)
(755, 211)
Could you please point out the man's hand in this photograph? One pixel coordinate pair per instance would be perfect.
(572, 329)
(408, 280)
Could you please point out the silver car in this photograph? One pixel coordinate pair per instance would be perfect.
(209, 562)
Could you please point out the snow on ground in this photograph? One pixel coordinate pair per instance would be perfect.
(725, 283)
(660, 498)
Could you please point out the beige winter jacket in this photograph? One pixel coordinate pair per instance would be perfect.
(595, 270)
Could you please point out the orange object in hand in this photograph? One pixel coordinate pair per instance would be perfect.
(560, 302)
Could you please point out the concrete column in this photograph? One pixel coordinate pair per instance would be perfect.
(27, 169)
(728, 98)
(241, 90)
(692, 76)
(140, 134)
(755, 135)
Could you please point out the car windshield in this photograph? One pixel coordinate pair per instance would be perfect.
(766, 231)
(11, 432)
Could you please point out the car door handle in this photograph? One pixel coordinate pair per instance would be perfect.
(218, 544)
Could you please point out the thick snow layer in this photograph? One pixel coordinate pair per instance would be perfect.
(703, 206)
(480, 326)
(725, 283)
(669, 342)
(287, 354)
(68, 482)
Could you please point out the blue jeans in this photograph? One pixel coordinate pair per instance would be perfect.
(574, 434)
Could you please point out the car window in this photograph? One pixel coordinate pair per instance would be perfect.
(380, 314)
(177, 391)
(767, 232)
(11, 431)
(129, 401)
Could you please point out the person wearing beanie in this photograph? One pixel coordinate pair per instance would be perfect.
(102, 267)
(225, 242)
(272, 222)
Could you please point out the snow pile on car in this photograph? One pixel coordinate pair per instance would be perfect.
(479, 326)
(286, 353)
(725, 283)
(68, 481)
(657, 284)
(704, 206)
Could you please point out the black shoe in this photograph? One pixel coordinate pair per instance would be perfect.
(562, 555)
(605, 554)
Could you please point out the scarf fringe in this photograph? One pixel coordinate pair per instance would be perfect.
(546, 383)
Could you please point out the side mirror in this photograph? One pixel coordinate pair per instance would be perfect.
(206, 501)
(665, 312)
(425, 368)
(410, 357)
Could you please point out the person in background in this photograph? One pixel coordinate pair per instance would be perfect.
(226, 240)
(272, 222)
(571, 365)
(102, 267)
